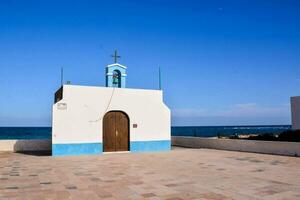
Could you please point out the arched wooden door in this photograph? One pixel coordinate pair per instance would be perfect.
(115, 132)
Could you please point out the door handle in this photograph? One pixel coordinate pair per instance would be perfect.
(117, 133)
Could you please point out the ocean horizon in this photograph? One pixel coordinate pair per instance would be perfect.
(10, 133)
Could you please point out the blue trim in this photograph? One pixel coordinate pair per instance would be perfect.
(109, 76)
(157, 145)
(76, 149)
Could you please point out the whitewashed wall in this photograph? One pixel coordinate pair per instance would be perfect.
(267, 147)
(25, 145)
(80, 120)
(295, 106)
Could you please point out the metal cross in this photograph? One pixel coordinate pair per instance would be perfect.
(115, 56)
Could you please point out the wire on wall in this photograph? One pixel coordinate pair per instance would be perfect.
(107, 107)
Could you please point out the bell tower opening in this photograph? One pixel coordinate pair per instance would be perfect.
(116, 78)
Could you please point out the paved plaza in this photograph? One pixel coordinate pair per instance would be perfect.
(179, 174)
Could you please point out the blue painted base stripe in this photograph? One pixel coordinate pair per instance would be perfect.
(157, 145)
(76, 149)
(97, 148)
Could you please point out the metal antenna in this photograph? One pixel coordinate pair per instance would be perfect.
(159, 78)
(62, 76)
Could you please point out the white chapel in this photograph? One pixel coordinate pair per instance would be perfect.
(95, 120)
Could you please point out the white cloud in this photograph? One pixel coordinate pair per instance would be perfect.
(237, 110)
(238, 114)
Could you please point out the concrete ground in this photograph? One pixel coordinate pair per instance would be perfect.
(178, 174)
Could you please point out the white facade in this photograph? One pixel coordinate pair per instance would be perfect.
(78, 118)
(295, 107)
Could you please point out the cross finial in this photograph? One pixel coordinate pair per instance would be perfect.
(115, 56)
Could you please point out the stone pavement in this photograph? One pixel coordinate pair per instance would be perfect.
(179, 174)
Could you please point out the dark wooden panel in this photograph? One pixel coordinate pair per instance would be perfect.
(122, 132)
(58, 95)
(115, 132)
(109, 132)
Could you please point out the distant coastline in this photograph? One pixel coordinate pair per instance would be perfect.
(7, 133)
(217, 131)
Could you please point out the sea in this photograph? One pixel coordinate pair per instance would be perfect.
(10, 133)
(213, 131)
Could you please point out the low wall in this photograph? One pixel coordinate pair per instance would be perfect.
(25, 145)
(267, 147)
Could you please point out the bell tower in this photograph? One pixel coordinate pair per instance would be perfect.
(116, 73)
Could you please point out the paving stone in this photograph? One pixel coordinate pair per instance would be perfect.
(11, 188)
(181, 174)
(71, 187)
(147, 195)
(45, 183)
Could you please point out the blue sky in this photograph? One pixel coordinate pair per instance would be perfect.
(223, 62)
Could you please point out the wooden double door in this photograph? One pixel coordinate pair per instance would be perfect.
(115, 132)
